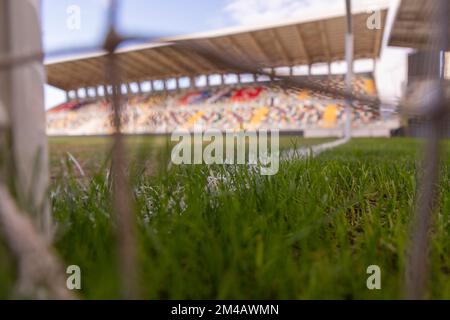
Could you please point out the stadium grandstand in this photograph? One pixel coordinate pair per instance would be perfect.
(168, 87)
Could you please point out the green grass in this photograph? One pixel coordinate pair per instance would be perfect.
(92, 152)
(308, 232)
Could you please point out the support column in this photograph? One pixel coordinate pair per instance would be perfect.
(349, 75)
(152, 86)
(105, 91)
(67, 96)
(22, 96)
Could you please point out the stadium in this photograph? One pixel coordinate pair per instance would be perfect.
(94, 206)
(236, 101)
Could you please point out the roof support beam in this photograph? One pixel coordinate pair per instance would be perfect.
(258, 48)
(324, 39)
(175, 66)
(153, 62)
(134, 69)
(211, 66)
(280, 47)
(218, 48)
(191, 66)
(94, 73)
(59, 78)
(212, 46)
(91, 65)
(228, 42)
(146, 62)
(74, 75)
(301, 44)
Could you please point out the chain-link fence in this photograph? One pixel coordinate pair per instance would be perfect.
(424, 108)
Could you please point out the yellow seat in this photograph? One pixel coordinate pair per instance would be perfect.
(193, 120)
(370, 86)
(330, 116)
(258, 117)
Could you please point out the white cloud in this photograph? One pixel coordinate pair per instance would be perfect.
(250, 12)
(105, 3)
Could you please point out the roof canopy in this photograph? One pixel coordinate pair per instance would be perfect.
(295, 43)
(412, 25)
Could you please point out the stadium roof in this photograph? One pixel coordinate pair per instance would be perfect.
(288, 44)
(412, 24)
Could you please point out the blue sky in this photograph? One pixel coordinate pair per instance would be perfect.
(179, 17)
(141, 17)
(169, 17)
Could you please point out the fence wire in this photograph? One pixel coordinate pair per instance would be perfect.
(426, 192)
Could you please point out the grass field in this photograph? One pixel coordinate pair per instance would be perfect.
(93, 152)
(212, 232)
